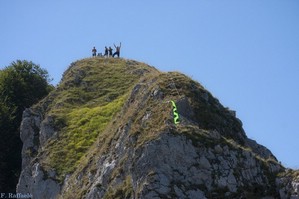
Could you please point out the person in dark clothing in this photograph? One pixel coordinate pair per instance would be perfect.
(117, 48)
(110, 51)
(106, 52)
(94, 51)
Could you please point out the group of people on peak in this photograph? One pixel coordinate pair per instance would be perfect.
(108, 51)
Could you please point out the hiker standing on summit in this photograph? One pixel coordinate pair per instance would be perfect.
(106, 52)
(117, 48)
(94, 51)
(110, 51)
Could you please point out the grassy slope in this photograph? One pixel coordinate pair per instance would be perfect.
(91, 93)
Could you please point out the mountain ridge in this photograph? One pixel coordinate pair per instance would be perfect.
(107, 131)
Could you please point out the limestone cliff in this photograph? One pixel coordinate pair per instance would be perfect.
(107, 131)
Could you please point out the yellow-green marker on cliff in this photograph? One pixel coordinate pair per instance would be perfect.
(175, 113)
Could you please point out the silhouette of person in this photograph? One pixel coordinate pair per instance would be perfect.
(94, 51)
(106, 52)
(110, 51)
(117, 48)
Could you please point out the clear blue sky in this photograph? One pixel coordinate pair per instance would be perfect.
(246, 53)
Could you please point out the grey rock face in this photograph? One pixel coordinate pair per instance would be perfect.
(46, 130)
(172, 167)
(36, 182)
(33, 179)
(288, 186)
(30, 135)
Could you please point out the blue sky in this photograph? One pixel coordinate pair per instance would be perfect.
(246, 53)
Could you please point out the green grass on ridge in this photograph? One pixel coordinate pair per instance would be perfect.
(91, 93)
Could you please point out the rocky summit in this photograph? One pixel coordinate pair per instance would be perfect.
(108, 131)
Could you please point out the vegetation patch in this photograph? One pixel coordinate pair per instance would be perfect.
(91, 93)
(83, 127)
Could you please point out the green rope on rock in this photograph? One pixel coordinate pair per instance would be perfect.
(175, 113)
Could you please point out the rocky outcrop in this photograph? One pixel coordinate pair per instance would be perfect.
(35, 130)
(288, 184)
(173, 167)
(37, 182)
(30, 136)
(140, 153)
